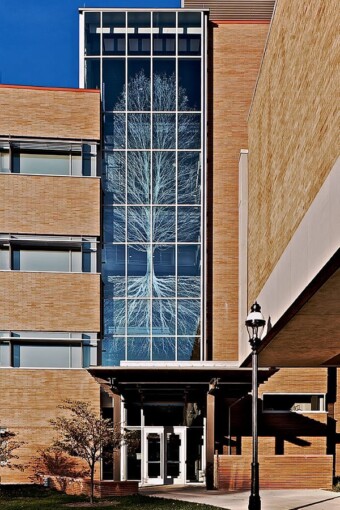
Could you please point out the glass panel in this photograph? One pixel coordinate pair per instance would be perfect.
(188, 349)
(51, 356)
(164, 84)
(113, 351)
(4, 161)
(114, 224)
(164, 131)
(189, 265)
(164, 224)
(114, 131)
(139, 84)
(92, 36)
(92, 73)
(164, 177)
(114, 177)
(53, 164)
(139, 178)
(113, 40)
(114, 316)
(163, 349)
(189, 44)
(164, 43)
(113, 84)
(138, 316)
(173, 444)
(188, 317)
(5, 354)
(189, 224)
(138, 270)
(189, 19)
(4, 258)
(138, 128)
(163, 317)
(189, 131)
(41, 260)
(138, 224)
(134, 458)
(113, 270)
(163, 283)
(189, 178)
(139, 44)
(139, 19)
(76, 356)
(189, 79)
(138, 349)
(154, 455)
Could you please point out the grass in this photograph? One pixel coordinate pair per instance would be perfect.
(40, 498)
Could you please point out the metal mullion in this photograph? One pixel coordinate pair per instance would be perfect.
(126, 182)
(176, 187)
(151, 187)
(204, 74)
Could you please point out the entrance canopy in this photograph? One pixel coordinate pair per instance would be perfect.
(161, 381)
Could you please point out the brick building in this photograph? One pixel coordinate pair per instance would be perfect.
(126, 276)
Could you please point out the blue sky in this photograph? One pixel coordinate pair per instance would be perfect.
(39, 39)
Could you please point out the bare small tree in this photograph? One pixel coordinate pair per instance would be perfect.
(86, 435)
(8, 445)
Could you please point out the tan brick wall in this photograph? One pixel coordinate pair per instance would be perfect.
(37, 204)
(49, 301)
(293, 138)
(236, 55)
(276, 472)
(29, 399)
(337, 424)
(49, 113)
(296, 380)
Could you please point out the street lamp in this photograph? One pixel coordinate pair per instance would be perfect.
(255, 323)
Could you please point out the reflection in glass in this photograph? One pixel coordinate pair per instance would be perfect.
(188, 317)
(113, 180)
(112, 89)
(189, 286)
(114, 317)
(114, 224)
(139, 44)
(189, 44)
(188, 349)
(189, 19)
(138, 182)
(189, 177)
(113, 260)
(138, 224)
(138, 84)
(164, 131)
(113, 351)
(189, 131)
(189, 224)
(43, 163)
(164, 44)
(114, 130)
(138, 270)
(188, 260)
(113, 286)
(164, 82)
(113, 42)
(189, 78)
(164, 219)
(92, 37)
(164, 177)
(138, 349)
(138, 131)
(163, 283)
(163, 349)
(163, 316)
(138, 316)
(92, 73)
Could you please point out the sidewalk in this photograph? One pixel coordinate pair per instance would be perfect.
(309, 499)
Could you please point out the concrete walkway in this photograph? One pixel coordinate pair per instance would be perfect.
(271, 499)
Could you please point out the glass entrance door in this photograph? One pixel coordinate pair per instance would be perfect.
(164, 455)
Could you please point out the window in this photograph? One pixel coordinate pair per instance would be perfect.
(23, 253)
(48, 158)
(303, 403)
(33, 349)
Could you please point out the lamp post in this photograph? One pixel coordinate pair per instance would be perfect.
(255, 323)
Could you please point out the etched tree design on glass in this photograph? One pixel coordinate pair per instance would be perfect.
(151, 178)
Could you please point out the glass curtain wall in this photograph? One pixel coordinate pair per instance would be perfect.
(150, 67)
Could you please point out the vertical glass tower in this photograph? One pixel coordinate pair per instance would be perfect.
(150, 67)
